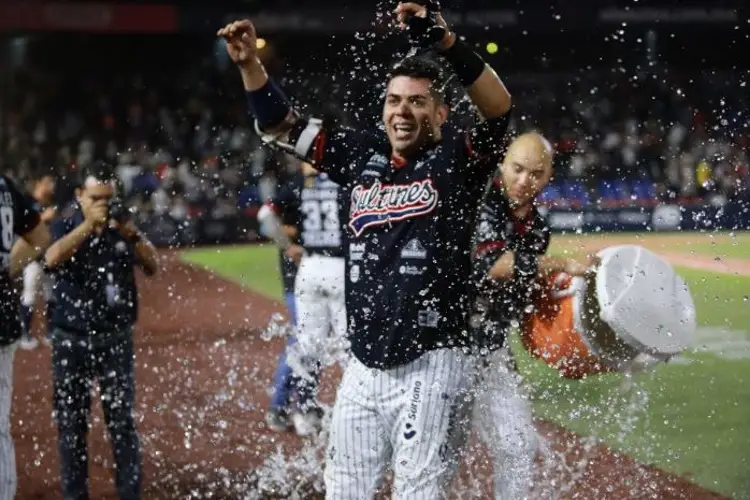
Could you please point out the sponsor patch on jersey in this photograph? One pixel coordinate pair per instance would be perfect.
(411, 270)
(371, 173)
(413, 250)
(382, 204)
(377, 161)
(356, 251)
(428, 318)
(414, 403)
(354, 273)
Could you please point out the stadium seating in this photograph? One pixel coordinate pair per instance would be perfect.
(575, 193)
(644, 192)
(550, 195)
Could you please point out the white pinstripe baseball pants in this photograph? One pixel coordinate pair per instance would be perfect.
(503, 419)
(414, 418)
(8, 477)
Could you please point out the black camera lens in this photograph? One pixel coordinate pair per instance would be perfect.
(117, 211)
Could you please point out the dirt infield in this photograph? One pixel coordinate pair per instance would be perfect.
(203, 379)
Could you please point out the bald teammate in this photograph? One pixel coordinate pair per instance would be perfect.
(511, 239)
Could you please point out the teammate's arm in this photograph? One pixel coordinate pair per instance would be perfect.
(549, 264)
(29, 247)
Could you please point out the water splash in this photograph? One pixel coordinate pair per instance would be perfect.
(278, 326)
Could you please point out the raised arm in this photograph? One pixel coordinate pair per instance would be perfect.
(427, 28)
(275, 120)
(269, 105)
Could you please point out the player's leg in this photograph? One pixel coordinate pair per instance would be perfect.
(337, 310)
(431, 413)
(72, 382)
(359, 447)
(504, 421)
(278, 417)
(313, 325)
(8, 476)
(32, 274)
(115, 372)
(49, 304)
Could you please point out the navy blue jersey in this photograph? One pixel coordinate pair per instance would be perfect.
(321, 212)
(17, 217)
(409, 228)
(498, 231)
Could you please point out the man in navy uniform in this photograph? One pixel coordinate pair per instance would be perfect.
(414, 191)
(92, 259)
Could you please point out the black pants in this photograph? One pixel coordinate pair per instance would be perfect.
(76, 363)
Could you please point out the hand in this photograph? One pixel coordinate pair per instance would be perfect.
(405, 10)
(97, 213)
(241, 42)
(48, 214)
(127, 230)
(295, 253)
(582, 267)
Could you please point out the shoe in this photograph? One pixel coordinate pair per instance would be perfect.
(28, 343)
(278, 420)
(307, 423)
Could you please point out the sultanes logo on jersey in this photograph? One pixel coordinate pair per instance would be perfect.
(386, 203)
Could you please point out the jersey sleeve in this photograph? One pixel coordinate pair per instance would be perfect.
(485, 141)
(478, 150)
(330, 149)
(286, 201)
(25, 216)
(489, 243)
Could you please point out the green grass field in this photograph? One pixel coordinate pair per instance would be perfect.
(691, 417)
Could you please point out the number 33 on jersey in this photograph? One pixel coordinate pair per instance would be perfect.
(318, 205)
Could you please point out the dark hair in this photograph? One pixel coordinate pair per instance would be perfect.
(420, 67)
(37, 174)
(99, 170)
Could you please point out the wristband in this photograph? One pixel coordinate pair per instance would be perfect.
(268, 104)
(466, 63)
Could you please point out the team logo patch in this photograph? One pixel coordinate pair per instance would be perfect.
(413, 250)
(387, 203)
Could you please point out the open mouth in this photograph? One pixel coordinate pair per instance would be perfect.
(404, 130)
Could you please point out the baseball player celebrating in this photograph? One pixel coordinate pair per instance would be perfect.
(42, 190)
(510, 242)
(406, 393)
(319, 286)
(17, 218)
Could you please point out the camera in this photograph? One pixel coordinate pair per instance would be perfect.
(118, 212)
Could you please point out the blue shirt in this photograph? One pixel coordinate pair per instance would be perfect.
(95, 289)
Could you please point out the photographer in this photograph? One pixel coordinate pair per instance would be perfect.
(92, 260)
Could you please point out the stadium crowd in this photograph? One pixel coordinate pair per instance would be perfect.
(183, 148)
